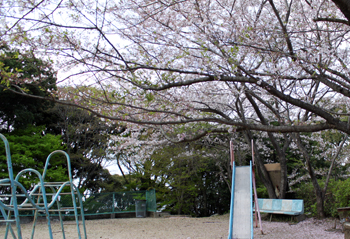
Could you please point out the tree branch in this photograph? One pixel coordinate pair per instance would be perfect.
(336, 20)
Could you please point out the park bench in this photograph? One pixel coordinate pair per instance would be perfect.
(293, 207)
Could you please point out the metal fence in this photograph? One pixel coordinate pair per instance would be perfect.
(119, 202)
(110, 203)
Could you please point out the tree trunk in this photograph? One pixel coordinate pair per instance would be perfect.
(263, 174)
(320, 204)
(120, 168)
(179, 209)
(340, 147)
(317, 188)
(280, 153)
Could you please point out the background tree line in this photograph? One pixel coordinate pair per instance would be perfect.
(190, 177)
(184, 183)
(191, 70)
(36, 127)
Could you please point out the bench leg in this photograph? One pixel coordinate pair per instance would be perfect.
(271, 217)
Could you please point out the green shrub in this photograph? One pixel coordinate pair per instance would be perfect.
(339, 191)
(262, 192)
(337, 195)
(306, 192)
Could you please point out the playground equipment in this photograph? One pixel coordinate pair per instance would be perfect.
(293, 207)
(43, 198)
(241, 208)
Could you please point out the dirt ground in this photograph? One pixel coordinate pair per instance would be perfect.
(184, 228)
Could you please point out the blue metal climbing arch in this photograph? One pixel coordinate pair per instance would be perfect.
(43, 198)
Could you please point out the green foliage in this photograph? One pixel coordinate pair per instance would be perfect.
(186, 178)
(262, 192)
(29, 149)
(306, 192)
(338, 195)
(87, 139)
(85, 135)
(31, 75)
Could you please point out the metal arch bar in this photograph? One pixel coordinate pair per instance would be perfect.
(68, 163)
(73, 189)
(10, 171)
(38, 190)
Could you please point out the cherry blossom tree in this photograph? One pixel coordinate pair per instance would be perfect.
(325, 155)
(178, 62)
(210, 66)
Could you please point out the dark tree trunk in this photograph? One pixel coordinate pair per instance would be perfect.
(263, 174)
(317, 188)
(280, 152)
(121, 169)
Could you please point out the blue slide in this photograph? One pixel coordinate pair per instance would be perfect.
(241, 209)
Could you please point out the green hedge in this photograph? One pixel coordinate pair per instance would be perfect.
(337, 195)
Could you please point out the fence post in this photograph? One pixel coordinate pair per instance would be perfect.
(113, 213)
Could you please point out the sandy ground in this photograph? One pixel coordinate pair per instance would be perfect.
(183, 228)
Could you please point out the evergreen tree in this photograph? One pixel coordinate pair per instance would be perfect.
(24, 72)
(29, 149)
